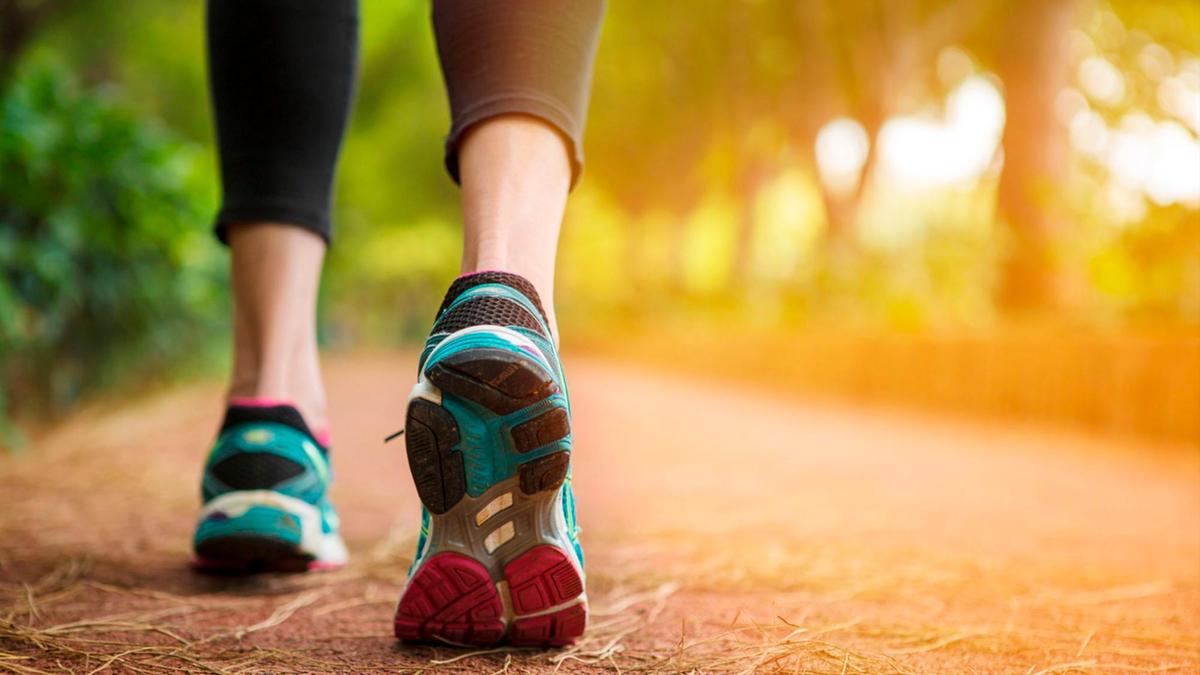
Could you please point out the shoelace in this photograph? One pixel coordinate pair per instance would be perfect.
(394, 436)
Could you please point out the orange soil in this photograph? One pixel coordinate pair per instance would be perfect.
(727, 529)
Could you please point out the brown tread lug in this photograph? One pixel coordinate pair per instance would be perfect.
(544, 429)
(430, 435)
(544, 473)
(499, 380)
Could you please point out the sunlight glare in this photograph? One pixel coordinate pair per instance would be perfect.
(922, 151)
(1155, 61)
(1176, 98)
(1101, 80)
(954, 65)
(1161, 159)
(790, 215)
(1174, 176)
(841, 146)
(1068, 104)
(1124, 205)
(1088, 133)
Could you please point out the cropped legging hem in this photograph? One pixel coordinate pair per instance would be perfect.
(268, 211)
(517, 102)
(283, 75)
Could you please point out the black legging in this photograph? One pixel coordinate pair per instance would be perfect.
(282, 74)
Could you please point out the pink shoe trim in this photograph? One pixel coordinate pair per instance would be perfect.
(323, 437)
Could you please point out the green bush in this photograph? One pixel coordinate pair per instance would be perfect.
(107, 269)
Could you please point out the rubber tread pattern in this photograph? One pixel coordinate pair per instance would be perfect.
(544, 429)
(556, 629)
(501, 381)
(544, 473)
(451, 599)
(240, 554)
(539, 579)
(437, 469)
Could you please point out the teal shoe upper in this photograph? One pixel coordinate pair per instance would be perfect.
(262, 454)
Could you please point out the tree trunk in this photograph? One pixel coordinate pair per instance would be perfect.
(19, 20)
(1034, 65)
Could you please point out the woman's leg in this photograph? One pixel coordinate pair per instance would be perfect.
(515, 176)
(488, 430)
(276, 269)
(518, 76)
(282, 75)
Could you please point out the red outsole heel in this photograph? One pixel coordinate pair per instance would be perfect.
(451, 599)
(539, 579)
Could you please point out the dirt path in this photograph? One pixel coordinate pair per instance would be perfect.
(726, 530)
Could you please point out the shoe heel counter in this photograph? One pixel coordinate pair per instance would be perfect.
(266, 456)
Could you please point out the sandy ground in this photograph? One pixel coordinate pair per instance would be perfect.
(726, 530)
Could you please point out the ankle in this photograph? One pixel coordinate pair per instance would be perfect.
(307, 396)
(275, 273)
(543, 284)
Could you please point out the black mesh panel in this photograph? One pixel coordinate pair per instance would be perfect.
(487, 311)
(519, 283)
(255, 470)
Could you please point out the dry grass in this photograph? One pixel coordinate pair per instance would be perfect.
(831, 594)
(163, 636)
(176, 632)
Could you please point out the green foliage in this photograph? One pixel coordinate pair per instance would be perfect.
(106, 268)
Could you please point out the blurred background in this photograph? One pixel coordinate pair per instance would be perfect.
(985, 207)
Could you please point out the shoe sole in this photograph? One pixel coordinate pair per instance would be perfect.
(497, 567)
(252, 531)
(249, 554)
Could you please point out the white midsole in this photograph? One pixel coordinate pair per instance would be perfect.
(325, 547)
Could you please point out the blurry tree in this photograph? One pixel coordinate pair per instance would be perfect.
(704, 115)
(396, 238)
(651, 94)
(864, 39)
(1034, 65)
(725, 96)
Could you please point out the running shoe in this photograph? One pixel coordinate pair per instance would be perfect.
(265, 495)
(488, 435)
